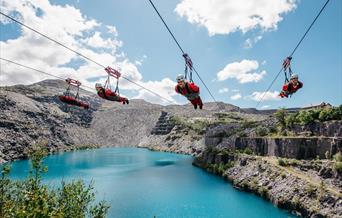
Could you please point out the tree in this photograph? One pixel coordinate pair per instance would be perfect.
(31, 198)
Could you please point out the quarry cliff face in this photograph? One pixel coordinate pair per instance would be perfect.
(31, 114)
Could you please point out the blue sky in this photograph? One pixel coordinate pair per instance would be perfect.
(140, 36)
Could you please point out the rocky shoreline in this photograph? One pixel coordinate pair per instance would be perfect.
(313, 192)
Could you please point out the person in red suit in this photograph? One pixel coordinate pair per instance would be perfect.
(109, 94)
(189, 90)
(73, 101)
(291, 87)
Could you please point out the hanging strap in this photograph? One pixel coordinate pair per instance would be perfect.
(287, 69)
(188, 67)
(117, 91)
(78, 90)
(107, 83)
(75, 83)
(114, 73)
(67, 92)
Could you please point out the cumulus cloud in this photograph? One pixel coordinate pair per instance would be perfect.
(112, 30)
(72, 28)
(241, 71)
(236, 96)
(267, 96)
(251, 41)
(227, 16)
(223, 90)
(96, 41)
(164, 87)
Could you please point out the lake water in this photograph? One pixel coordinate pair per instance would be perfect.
(140, 183)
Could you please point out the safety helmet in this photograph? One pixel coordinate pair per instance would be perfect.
(294, 76)
(98, 85)
(180, 78)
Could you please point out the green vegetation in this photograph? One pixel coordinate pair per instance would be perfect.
(219, 169)
(32, 198)
(261, 131)
(338, 162)
(310, 189)
(338, 167)
(263, 191)
(338, 157)
(197, 125)
(249, 124)
(288, 162)
(225, 118)
(296, 202)
(280, 115)
(247, 150)
(305, 117)
(283, 162)
(286, 120)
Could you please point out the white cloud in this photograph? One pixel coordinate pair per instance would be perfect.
(250, 42)
(266, 96)
(227, 16)
(96, 41)
(236, 96)
(265, 106)
(164, 88)
(112, 30)
(241, 71)
(235, 90)
(223, 90)
(69, 26)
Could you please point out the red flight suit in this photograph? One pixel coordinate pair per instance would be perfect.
(191, 92)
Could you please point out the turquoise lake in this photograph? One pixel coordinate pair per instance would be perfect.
(140, 183)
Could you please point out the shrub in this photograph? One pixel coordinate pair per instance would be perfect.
(261, 131)
(273, 130)
(290, 120)
(306, 117)
(263, 191)
(221, 169)
(338, 157)
(330, 114)
(32, 198)
(338, 167)
(248, 124)
(296, 201)
(248, 151)
(283, 175)
(310, 189)
(283, 162)
(230, 164)
(280, 115)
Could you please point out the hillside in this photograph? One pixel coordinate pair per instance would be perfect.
(34, 113)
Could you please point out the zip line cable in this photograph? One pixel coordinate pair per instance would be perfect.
(294, 50)
(180, 48)
(40, 71)
(80, 54)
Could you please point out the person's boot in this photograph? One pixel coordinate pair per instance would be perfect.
(195, 106)
(201, 106)
(126, 100)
